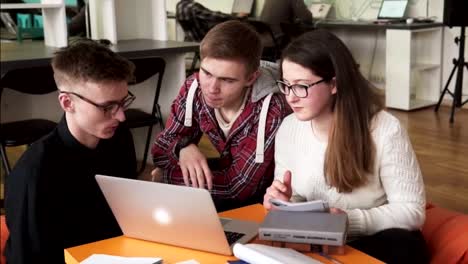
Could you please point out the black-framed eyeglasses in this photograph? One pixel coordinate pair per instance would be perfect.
(110, 107)
(299, 90)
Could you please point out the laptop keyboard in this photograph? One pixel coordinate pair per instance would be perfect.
(232, 237)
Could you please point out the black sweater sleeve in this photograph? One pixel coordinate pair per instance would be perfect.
(34, 233)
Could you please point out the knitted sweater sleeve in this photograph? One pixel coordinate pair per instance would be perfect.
(282, 151)
(400, 175)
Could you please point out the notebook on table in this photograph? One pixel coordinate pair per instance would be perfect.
(175, 215)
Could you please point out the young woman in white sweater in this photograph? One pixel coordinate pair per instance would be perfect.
(340, 146)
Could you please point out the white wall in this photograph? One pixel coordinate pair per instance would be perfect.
(140, 19)
(171, 5)
(121, 19)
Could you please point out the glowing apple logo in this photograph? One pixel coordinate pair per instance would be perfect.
(161, 216)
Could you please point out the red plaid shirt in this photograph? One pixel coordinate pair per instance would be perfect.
(239, 179)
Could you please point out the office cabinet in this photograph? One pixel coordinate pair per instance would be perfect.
(54, 19)
(413, 67)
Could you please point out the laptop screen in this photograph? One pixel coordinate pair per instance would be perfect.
(392, 9)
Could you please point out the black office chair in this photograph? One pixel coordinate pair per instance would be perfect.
(36, 81)
(271, 49)
(145, 68)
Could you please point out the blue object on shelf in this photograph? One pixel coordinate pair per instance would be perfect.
(29, 26)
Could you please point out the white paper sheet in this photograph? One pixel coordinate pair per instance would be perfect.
(109, 259)
(262, 254)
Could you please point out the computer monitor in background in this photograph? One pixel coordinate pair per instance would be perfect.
(242, 7)
(392, 9)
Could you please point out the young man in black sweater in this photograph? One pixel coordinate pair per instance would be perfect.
(52, 199)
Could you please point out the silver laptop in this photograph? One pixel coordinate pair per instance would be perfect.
(175, 215)
(392, 10)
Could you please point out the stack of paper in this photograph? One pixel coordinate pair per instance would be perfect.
(262, 254)
(109, 259)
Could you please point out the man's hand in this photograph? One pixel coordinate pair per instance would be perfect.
(156, 175)
(278, 190)
(194, 167)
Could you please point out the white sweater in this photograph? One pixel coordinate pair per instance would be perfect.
(394, 196)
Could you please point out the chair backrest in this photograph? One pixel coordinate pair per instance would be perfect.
(147, 67)
(32, 80)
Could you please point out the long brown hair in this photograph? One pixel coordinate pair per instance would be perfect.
(350, 155)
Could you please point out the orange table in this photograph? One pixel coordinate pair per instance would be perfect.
(129, 247)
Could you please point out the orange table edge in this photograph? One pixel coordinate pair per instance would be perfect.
(129, 247)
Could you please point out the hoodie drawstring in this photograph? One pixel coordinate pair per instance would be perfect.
(260, 150)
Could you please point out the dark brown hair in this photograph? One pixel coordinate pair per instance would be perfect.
(350, 154)
(87, 60)
(233, 40)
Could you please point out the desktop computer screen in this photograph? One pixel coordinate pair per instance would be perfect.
(242, 6)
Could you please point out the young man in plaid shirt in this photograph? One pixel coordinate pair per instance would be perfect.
(232, 100)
